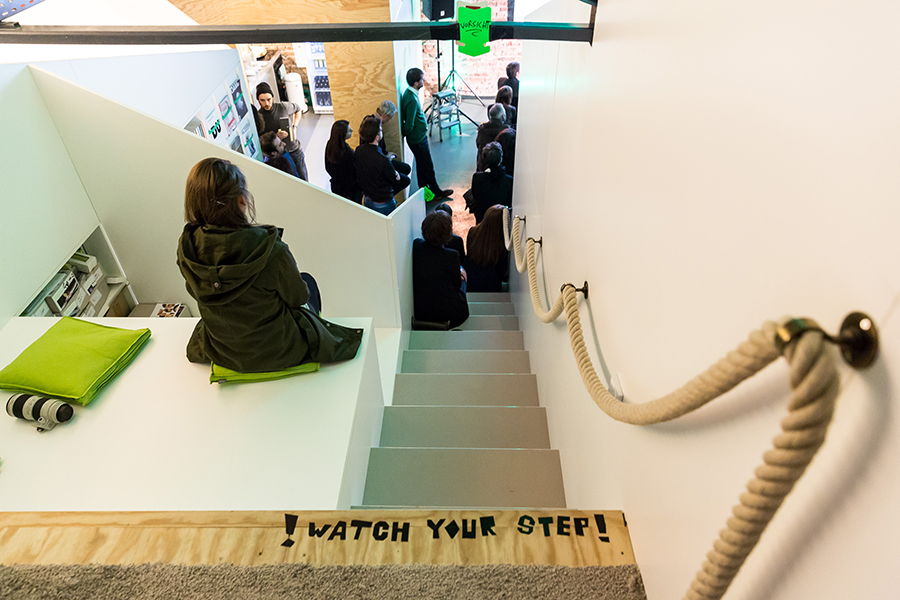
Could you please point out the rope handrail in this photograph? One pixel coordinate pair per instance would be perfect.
(815, 385)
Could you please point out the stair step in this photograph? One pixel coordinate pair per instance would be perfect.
(488, 297)
(465, 361)
(465, 427)
(491, 308)
(466, 340)
(490, 322)
(457, 478)
(430, 389)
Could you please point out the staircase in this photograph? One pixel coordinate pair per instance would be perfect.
(466, 429)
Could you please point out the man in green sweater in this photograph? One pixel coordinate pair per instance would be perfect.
(413, 126)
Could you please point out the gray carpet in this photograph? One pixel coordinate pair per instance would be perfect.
(401, 582)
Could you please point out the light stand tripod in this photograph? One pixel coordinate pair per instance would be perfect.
(452, 76)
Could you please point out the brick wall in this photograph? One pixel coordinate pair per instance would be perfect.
(287, 55)
(480, 72)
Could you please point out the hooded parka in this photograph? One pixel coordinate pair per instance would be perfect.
(251, 300)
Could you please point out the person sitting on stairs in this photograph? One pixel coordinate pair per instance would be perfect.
(487, 259)
(439, 282)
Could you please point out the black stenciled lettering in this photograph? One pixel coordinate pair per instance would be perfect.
(340, 530)
(546, 522)
(467, 533)
(562, 525)
(360, 525)
(313, 532)
(580, 526)
(380, 531)
(403, 531)
(435, 528)
(601, 526)
(526, 525)
(487, 526)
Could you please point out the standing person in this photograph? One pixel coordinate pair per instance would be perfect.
(376, 177)
(386, 111)
(413, 127)
(282, 118)
(439, 282)
(257, 313)
(512, 80)
(487, 259)
(340, 162)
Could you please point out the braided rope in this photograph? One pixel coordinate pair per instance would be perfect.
(557, 308)
(815, 383)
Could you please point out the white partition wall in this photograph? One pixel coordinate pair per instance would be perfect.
(133, 168)
(46, 212)
(170, 87)
(707, 166)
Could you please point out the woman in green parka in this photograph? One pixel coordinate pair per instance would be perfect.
(252, 298)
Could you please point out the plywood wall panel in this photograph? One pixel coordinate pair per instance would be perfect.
(364, 80)
(205, 13)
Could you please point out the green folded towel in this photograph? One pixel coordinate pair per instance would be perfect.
(220, 374)
(73, 360)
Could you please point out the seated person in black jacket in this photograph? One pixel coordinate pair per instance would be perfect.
(491, 186)
(512, 80)
(439, 282)
(487, 259)
(374, 173)
(504, 97)
(340, 164)
(386, 111)
(456, 242)
(488, 132)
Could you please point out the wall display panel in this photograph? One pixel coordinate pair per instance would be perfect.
(226, 119)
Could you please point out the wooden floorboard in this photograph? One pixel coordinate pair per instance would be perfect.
(372, 537)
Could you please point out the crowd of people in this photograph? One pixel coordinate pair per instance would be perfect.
(444, 268)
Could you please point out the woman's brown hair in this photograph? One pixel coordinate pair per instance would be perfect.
(485, 241)
(504, 95)
(213, 194)
(337, 143)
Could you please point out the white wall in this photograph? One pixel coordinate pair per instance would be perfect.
(46, 212)
(95, 13)
(170, 87)
(707, 166)
(133, 168)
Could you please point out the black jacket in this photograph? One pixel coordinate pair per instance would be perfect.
(487, 132)
(486, 278)
(437, 284)
(490, 188)
(374, 173)
(343, 175)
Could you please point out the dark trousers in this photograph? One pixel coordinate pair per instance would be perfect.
(424, 165)
(315, 298)
(400, 184)
(401, 167)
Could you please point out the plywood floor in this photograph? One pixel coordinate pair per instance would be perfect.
(373, 537)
